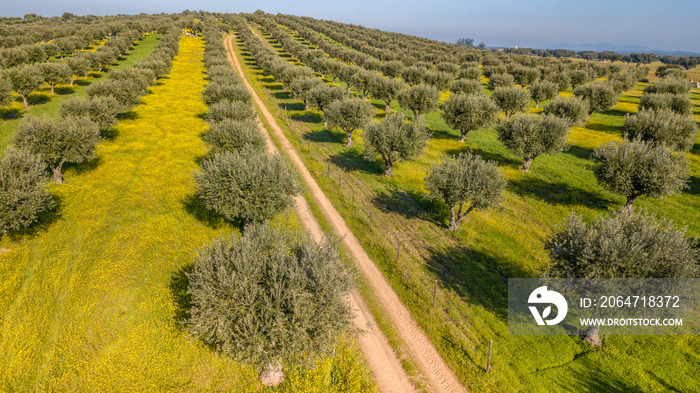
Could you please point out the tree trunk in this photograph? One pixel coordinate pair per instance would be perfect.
(72, 80)
(591, 336)
(24, 100)
(52, 89)
(464, 136)
(272, 375)
(526, 163)
(388, 171)
(57, 175)
(453, 219)
(325, 123)
(349, 142)
(537, 104)
(306, 106)
(630, 202)
(386, 108)
(247, 223)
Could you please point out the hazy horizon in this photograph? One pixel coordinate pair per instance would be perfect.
(673, 25)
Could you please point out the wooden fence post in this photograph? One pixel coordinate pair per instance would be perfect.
(488, 362)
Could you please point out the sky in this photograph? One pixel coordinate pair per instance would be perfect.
(663, 25)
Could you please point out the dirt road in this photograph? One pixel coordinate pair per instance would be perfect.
(382, 360)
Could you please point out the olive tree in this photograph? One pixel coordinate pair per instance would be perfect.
(289, 293)
(126, 92)
(23, 194)
(216, 92)
(25, 81)
(5, 91)
(466, 86)
(69, 139)
(300, 88)
(247, 185)
(542, 91)
(79, 66)
(323, 95)
(573, 109)
(385, 89)
(669, 85)
(530, 136)
(440, 79)
(394, 139)
(392, 69)
(235, 135)
(662, 126)
(413, 75)
(420, 99)
(348, 114)
(225, 109)
(501, 80)
(637, 168)
(465, 180)
(679, 103)
(626, 244)
(55, 73)
(467, 112)
(100, 109)
(511, 99)
(599, 96)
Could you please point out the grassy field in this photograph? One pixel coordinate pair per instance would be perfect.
(43, 103)
(472, 265)
(92, 298)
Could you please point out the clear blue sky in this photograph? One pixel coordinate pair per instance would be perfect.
(658, 24)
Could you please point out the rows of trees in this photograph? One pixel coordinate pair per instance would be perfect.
(289, 289)
(44, 142)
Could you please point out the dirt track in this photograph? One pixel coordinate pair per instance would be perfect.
(381, 358)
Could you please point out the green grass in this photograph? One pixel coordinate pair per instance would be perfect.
(43, 103)
(92, 298)
(472, 265)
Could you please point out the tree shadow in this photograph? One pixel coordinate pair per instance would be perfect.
(82, 82)
(694, 186)
(38, 98)
(127, 115)
(308, 117)
(559, 193)
(64, 90)
(83, 167)
(579, 152)
(444, 134)
(399, 202)
(293, 106)
(352, 160)
(8, 113)
(499, 158)
(194, 205)
(325, 135)
(109, 134)
(179, 283)
(588, 380)
(44, 220)
(476, 277)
